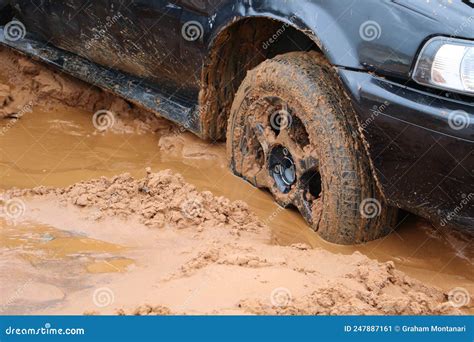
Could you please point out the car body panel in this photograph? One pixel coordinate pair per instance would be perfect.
(421, 163)
(336, 26)
(163, 57)
(127, 30)
(133, 89)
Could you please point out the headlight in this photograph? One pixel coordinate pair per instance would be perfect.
(446, 63)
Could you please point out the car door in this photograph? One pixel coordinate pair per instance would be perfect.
(138, 37)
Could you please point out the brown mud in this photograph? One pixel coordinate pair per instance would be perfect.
(94, 222)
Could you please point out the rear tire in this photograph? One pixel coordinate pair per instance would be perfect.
(292, 130)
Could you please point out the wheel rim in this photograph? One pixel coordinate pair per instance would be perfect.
(277, 154)
(282, 168)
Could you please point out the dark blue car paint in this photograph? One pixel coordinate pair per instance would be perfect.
(421, 163)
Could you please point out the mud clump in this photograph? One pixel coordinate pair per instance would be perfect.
(26, 84)
(229, 270)
(243, 275)
(141, 310)
(5, 95)
(372, 289)
(336, 299)
(158, 200)
(35, 84)
(146, 310)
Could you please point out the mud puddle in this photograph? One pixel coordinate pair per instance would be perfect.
(42, 264)
(67, 261)
(61, 147)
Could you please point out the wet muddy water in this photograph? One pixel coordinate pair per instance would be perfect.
(58, 147)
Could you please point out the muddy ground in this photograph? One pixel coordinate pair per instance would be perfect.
(124, 213)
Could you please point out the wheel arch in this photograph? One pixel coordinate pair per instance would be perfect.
(232, 40)
(215, 98)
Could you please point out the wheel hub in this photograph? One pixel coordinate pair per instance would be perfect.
(282, 168)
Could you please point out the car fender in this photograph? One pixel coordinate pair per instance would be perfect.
(381, 36)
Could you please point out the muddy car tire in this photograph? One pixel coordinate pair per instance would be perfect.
(292, 130)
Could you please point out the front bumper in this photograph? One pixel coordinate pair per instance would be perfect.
(422, 156)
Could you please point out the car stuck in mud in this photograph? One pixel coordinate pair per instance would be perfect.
(123, 126)
(325, 107)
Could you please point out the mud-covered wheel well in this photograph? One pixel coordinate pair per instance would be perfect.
(238, 48)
